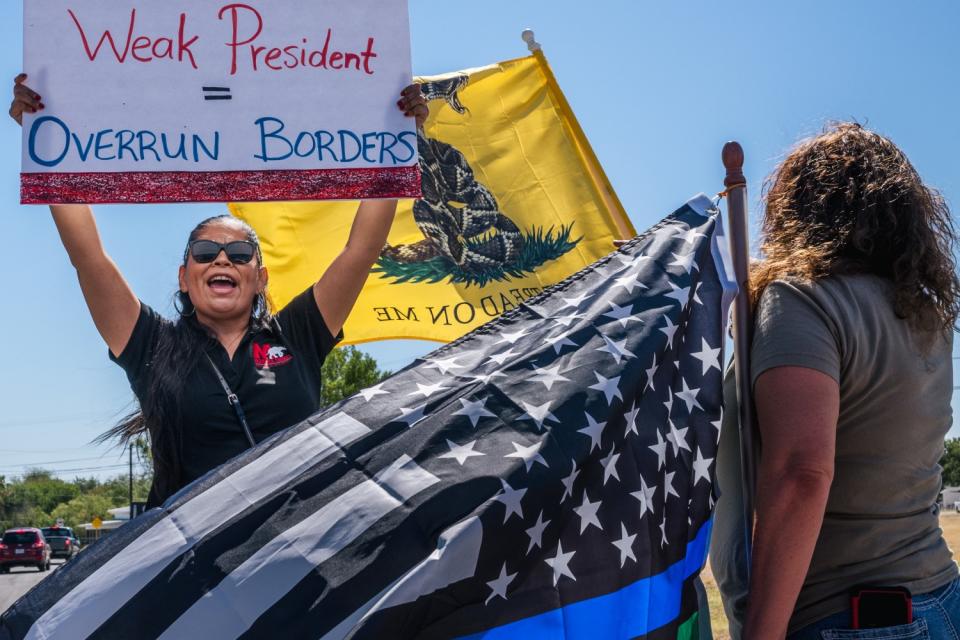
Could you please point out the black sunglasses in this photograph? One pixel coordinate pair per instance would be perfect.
(238, 251)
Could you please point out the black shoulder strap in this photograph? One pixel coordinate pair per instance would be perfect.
(233, 400)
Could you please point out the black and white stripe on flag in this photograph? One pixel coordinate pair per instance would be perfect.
(550, 463)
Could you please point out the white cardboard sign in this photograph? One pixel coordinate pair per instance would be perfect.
(211, 100)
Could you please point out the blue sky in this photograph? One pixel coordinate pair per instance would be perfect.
(658, 88)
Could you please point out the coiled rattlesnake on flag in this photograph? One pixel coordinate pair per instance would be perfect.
(475, 235)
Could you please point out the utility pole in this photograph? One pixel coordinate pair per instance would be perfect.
(130, 477)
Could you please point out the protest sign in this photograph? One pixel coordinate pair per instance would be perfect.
(209, 100)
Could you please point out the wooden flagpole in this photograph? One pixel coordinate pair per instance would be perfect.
(736, 192)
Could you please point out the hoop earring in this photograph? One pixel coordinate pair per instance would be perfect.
(179, 307)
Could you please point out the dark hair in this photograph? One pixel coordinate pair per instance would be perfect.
(177, 351)
(848, 201)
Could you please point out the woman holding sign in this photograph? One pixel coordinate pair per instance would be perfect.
(227, 373)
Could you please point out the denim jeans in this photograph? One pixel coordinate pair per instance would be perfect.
(936, 615)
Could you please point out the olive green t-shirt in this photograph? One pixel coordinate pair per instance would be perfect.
(881, 525)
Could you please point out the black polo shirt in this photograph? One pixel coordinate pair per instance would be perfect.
(275, 373)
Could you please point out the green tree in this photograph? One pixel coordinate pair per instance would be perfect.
(83, 509)
(29, 501)
(951, 463)
(346, 371)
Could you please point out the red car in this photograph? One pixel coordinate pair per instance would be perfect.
(24, 547)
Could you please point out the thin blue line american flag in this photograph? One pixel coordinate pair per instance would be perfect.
(543, 469)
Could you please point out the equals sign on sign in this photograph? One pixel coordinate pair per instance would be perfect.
(216, 93)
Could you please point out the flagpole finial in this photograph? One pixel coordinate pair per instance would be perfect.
(531, 40)
(733, 162)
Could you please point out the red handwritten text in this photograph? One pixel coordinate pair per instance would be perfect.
(289, 56)
(141, 48)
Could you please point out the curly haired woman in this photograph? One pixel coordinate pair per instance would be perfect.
(855, 303)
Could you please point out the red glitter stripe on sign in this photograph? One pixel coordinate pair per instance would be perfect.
(219, 186)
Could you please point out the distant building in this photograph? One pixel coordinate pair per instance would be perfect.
(119, 517)
(950, 497)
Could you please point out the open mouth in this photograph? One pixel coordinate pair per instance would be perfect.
(222, 284)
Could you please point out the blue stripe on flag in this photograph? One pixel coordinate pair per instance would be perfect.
(636, 610)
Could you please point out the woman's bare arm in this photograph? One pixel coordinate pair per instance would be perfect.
(112, 304)
(338, 289)
(797, 411)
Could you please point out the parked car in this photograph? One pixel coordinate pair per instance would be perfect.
(24, 547)
(63, 544)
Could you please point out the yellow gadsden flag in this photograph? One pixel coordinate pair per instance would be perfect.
(514, 201)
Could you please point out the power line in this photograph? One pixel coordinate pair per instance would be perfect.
(81, 469)
(48, 421)
(43, 462)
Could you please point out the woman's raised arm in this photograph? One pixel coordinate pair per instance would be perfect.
(337, 290)
(112, 304)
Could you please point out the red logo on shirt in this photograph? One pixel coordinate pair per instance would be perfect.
(266, 355)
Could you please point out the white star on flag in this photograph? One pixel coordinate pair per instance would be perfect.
(660, 449)
(608, 386)
(686, 262)
(668, 486)
(623, 315)
(500, 358)
(473, 410)
(511, 499)
(512, 337)
(538, 413)
(625, 545)
(577, 301)
(630, 282)
(708, 357)
(565, 321)
(498, 587)
(535, 533)
(485, 378)
(696, 293)
(569, 480)
(678, 438)
(616, 349)
(411, 416)
(610, 466)
(588, 513)
(680, 294)
(631, 418)
(652, 371)
(701, 468)
(427, 390)
(560, 564)
(670, 329)
(443, 365)
(645, 496)
(689, 397)
(669, 403)
(559, 342)
(460, 452)
(594, 430)
(530, 455)
(548, 376)
(372, 392)
(689, 235)
(663, 530)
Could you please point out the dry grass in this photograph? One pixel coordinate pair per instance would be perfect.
(949, 522)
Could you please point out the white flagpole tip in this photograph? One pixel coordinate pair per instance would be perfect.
(531, 40)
